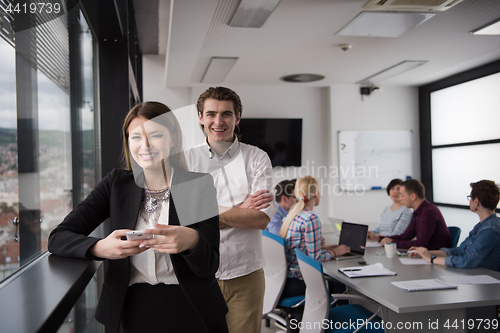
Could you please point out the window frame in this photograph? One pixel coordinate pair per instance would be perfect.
(426, 147)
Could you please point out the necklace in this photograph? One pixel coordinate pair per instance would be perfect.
(152, 201)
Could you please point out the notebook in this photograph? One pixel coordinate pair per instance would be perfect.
(423, 285)
(362, 271)
(354, 236)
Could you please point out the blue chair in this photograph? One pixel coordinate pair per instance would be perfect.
(317, 306)
(454, 235)
(275, 272)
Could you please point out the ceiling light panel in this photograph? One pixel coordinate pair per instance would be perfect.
(492, 28)
(411, 5)
(392, 71)
(218, 69)
(253, 13)
(378, 24)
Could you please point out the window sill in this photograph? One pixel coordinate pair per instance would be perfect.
(39, 297)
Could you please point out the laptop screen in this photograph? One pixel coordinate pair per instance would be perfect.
(354, 236)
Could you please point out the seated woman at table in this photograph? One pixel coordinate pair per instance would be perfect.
(302, 229)
(482, 247)
(395, 218)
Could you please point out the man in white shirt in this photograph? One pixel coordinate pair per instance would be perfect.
(243, 179)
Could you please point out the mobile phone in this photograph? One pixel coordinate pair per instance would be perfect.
(138, 235)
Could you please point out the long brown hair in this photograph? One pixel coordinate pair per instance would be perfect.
(152, 111)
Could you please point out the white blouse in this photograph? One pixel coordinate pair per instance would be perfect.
(151, 266)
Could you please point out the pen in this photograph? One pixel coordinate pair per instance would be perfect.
(411, 251)
(351, 270)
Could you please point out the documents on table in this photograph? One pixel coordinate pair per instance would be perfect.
(423, 285)
(371, 270)
(372, 244)
(469, 279)
(414, 261)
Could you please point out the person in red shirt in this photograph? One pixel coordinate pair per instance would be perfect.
(427, 225)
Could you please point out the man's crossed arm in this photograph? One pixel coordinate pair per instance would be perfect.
(248, 214)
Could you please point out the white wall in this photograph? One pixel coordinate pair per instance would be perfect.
(462, 218)
(391, 108)
(176, 98)
(310, 104)
(324, 111)
(153, 78)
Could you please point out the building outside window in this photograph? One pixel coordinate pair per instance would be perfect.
(49, 148)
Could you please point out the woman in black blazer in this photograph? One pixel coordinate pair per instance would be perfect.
(167, 283)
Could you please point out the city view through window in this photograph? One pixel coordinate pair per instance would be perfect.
(39, 134)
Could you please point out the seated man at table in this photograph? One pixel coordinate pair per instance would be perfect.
(482, 247)
(285, 200)
(427, 223)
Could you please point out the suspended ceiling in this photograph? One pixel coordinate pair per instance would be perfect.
(299, 37)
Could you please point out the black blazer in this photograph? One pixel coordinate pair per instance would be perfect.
(118, 198)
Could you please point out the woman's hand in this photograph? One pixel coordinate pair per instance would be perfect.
(339, 250)
(113, 247)
(385, 240)
(373, 237)
(171, 239)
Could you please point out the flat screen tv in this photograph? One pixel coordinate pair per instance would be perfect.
(280, 138)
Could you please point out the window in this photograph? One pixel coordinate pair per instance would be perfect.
(459, 139)
(464, 136)
(49, 151)
(466, 112)
(9, 193)
(50, 124)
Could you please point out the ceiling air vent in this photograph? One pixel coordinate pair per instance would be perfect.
(302, 78)
(411, 5)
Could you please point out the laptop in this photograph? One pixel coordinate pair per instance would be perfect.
(354, 236)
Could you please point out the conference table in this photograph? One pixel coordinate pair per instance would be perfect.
(470, 308)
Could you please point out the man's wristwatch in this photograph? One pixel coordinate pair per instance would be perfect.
(432, 258)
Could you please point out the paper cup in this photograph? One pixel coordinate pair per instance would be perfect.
(390, 250)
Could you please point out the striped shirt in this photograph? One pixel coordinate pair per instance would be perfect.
(394, 222)
(304, 233)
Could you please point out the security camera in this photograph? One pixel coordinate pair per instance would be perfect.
(345, 47)
(367, 90)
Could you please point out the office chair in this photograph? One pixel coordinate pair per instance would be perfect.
(454, 235)
(317, 306)
(275, 271)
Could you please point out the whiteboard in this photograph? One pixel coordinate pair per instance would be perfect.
(371, 159)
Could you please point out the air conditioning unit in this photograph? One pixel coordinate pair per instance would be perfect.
(411, 5)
